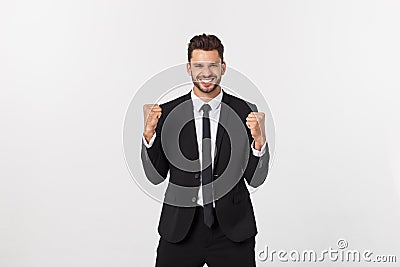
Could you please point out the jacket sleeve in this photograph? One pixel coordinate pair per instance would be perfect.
(257, 167)
(154, 161)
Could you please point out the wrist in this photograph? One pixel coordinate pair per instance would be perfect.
(258, 144)
(148, 135)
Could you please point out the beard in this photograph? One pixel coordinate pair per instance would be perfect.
(208, 88)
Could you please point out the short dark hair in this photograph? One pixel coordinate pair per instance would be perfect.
(206, 42)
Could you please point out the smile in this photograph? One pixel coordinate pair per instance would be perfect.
(206, 80)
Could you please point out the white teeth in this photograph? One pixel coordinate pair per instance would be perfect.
(206, 80)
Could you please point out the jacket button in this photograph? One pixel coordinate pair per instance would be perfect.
(194, 199)
(196, 175)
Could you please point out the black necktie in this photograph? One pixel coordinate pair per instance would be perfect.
(206, 172)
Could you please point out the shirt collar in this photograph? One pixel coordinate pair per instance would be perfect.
(198, 102)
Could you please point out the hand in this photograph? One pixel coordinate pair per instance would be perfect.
(255, 121)
(151, 112)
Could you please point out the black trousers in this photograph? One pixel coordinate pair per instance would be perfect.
(206, 245)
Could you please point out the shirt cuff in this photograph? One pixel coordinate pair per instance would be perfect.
(261, 152)
(150, 143)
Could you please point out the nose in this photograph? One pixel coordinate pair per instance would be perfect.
(206, 71)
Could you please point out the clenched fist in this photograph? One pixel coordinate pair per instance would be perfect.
(255, 121)
(151, 112)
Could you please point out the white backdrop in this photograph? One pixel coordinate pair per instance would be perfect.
(68, 71)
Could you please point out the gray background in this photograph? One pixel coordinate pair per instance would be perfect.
(68, 71)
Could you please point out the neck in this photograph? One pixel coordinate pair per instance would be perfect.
(206, 96)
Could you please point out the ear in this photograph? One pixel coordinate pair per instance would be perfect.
(188, 69)
(223, 68)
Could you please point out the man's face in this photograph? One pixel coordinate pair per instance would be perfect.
(206, 70)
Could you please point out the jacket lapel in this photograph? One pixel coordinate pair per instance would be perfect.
(188, 136)
(188, 141)
(223, 118)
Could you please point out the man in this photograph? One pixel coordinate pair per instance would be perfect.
(210, 142)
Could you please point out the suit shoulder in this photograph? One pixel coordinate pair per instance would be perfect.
(169, 105)
(241, 104)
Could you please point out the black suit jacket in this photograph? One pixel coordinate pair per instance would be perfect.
(233, 161)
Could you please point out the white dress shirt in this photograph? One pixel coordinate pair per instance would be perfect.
(214, 113)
